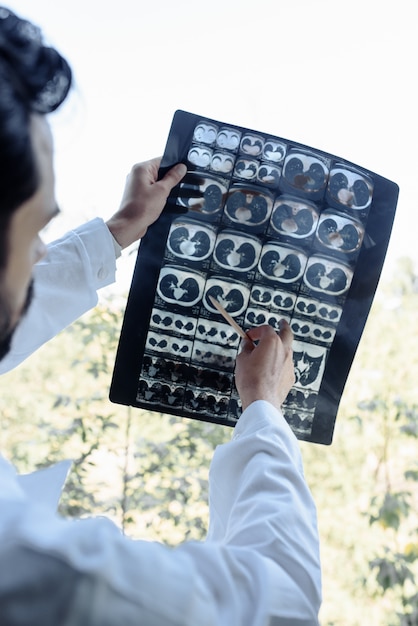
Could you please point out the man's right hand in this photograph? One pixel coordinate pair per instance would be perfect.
(265, 371)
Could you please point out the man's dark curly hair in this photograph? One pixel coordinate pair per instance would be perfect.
(34, 78)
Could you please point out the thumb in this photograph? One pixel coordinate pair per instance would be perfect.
(247, 346)
(174, 175)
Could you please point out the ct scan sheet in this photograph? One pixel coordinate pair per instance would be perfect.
(271, 229)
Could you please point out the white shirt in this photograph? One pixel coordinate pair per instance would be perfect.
(260, 563)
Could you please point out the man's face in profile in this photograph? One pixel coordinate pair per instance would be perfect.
(6, 325)
(25, 246)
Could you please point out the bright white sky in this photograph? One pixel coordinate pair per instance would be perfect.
(336, 75)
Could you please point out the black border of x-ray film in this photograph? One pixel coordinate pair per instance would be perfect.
(356, 305)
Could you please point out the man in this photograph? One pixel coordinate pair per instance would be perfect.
(260, 562)
(74, 267)
(84, 260)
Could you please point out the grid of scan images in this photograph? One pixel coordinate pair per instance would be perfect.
(271, 231)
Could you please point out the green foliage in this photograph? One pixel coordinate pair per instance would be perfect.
(391, 570)
(395, 567)
(166, 491)
(390, 511)
(147, 471)
(365, 483)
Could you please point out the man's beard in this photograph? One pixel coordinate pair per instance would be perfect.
(6, 329)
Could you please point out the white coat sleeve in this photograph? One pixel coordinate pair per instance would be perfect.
(66, 284)
(258, 567)
(259, 498)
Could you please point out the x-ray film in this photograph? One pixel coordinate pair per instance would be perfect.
(271, 229)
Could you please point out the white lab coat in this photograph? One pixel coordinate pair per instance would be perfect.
(260, 562)
(66, 284)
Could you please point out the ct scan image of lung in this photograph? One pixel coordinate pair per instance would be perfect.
(237, 251)
(294, 217)
(180, 286)
(306, 173)
(232, 295)
(191, 240)
(248, 206)
(349, 188)
(327, 276)
(339, 233)
(282, 263)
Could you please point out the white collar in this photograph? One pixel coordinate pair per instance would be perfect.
(43, 487)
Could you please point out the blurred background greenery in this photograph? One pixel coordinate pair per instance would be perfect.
(148, 471)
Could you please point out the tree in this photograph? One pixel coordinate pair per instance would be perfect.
(147, 471)
(394, 510)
